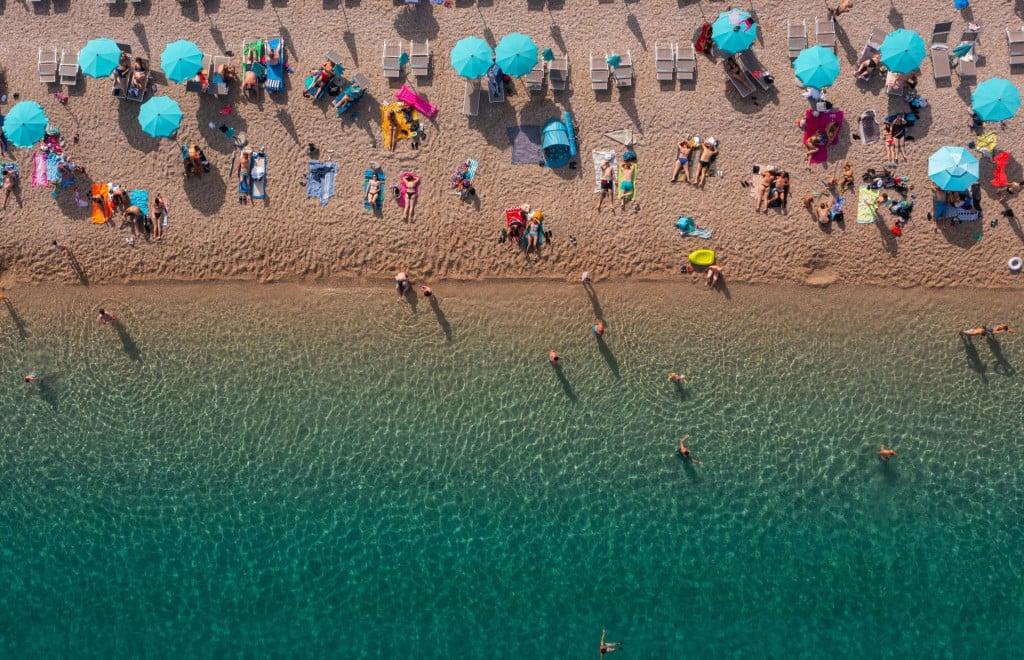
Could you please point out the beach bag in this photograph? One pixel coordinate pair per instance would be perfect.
(961, 4)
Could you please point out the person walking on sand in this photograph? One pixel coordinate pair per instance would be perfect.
(685, 453)
(608, 647)
(607, 182)
(598, 329)
(553, 357)
(105, 317)
(884, 453)
(998, 329)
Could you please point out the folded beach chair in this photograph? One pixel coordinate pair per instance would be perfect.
(392, 60)
(471, 102)
(101, 212)
(623, 71)
(871, 48)
(558, 73)
(686, 63)
(275, 72)
(599, 73)
(68, 68)
(367, 175)
(870, 131)
(1015, 42)
(258, 174)
(407, 95)
(135, 92)
(419, 58)
(48, 65)
(748, 60)
(796, 38)
(825, 32)
(535, 78)
(495, 85)
(664, 62)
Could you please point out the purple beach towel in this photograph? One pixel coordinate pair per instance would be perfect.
(526, 144)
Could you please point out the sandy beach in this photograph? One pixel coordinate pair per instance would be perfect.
(287, 236)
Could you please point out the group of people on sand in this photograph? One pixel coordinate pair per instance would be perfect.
(820, 139)
(687, 148)
(772, 190)
(150, 226)
(987, 330)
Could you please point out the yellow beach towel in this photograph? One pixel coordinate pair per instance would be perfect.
(403, 123)
(867, 205)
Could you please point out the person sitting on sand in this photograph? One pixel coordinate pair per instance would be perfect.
(678, 378)
(685, 453)
(708, 151)
(998, 329)
(373, 190)
(884, 453)
(608, 647)
(713, 275)
(823, 213)
(847, 182)
(868, 67)
(412, 189)
(118, 197)
(683, 149)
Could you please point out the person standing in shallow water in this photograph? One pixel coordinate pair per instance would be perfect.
(598, 329)
(105, 317)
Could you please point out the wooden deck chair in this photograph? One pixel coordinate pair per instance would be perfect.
(535, 78)
(419, 58)
(558, 73)
(686, 63)
(1015, 42)
(68, 68)
(825, 33)
(623, 72)
(664, 62)
(599, 73)
(750, 63)
(48, 65)
(471, 103)
(392, 60)
(796, 38)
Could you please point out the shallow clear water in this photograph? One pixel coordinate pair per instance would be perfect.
(282, 470)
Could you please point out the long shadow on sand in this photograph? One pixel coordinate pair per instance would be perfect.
(130, 347)
(442, 321)
(80, 273)
(566, 385)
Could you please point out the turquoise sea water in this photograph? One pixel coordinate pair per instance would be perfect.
(326, 472)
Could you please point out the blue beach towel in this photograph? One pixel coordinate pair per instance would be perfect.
(366, 183)
(140, 198)
(688, 227)
(52, 176)
(320, 181)
(526, 144)
(275, 72)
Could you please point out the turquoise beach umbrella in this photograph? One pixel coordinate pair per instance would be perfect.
(25, 124)
(953, 168)
(902, 51)
(816, 67)
(733, 31)
(181, 60)
(160, 116)
(99, 58)
(996, 99)
(516, 54)
(471, 57)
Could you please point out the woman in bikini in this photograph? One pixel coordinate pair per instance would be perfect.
(533, 231)
(412, 186)
(814, 142)
(159, 211)
(868, 67)
(898, 130)
(373, 191)
(763, 190)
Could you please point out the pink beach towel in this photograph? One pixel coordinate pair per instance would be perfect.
(402, 190)
(39, 178)
(815, 122)
(407, 95)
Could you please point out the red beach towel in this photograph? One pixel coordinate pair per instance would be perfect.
(817, 122)
(999, 176)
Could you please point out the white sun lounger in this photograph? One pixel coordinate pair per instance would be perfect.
(48, 65)
(686, 63)
(419, 58)
(471, 103)
(623, 71)
(796, 38)
(939, 53)
(392, 60)
(599, 73)
(825, 33)
(535, 78)
(664, 62)
(1015, 42)
(558, 73)
(68, 68)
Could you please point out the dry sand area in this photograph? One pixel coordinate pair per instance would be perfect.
(288, 236)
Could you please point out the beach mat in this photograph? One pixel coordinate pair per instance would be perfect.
(815, 122)
(599, 157)
(140, 198)
(381, 177)
(52, 174)
(39, 178)
(526, 144)
(867, 202)
(320, 181)
(101, 212)
(404, 126)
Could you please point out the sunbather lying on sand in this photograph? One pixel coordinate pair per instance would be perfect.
(708, 151)
(763, 189)
(373, 190)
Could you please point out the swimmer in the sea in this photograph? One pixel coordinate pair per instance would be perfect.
(105, 318)
(685, 453)
(884, 453)
(553, 357)
(32, 377)
(678, 378)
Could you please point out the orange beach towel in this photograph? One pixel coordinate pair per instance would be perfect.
(101, 213)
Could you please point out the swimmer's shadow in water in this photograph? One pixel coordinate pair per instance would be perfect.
(973, 359)
(1003, 366)
(608, 356)
(566, 385)
(19, 323)
(592, 294)
(442, 320)
(688, 466)
(682, 392)
(130, 347)
(48, 391)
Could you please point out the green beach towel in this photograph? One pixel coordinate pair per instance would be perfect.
(867, 204)
(627, 189)
(257, 47)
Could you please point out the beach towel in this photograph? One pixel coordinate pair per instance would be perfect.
(402, 121)
(258, 175)
(139, 198)
(407, 95)
(101, 212)
(257, 66)
(39, 178)
(629, 192)
(367, 175)
(867, 204)
(402, 188)
(463, 175)
(815, 122)
(11, 167)
(870, 131)
(52, 174)
(986, 143)
(688, 227)
(274, 72)
(999, 175)
(320, 180)
(526, 144)
(598, 157)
